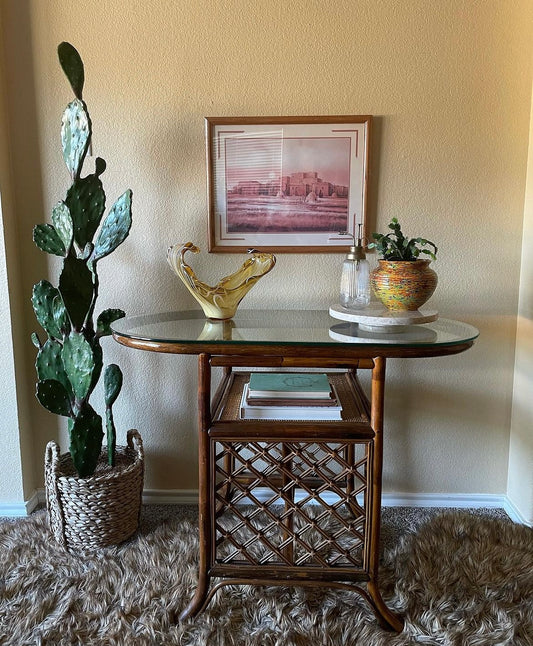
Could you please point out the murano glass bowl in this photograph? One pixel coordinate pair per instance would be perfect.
(220, 302)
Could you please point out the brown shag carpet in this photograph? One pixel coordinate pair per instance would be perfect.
(458, 578)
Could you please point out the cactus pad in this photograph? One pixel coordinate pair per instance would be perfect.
(98, 361)
(115, 228)
(112, 383)
(112, 386)
(49, 364)
(111, 436)
(75, 136)
(76, 287)
(54, 396)
(63, 225)
(77, 357)
(86, 436)
(72, 65)
(43, 305)
(99, 166)
(103, 322)
(36, 340)
(86, 202)
(60, 315)
(47, 239)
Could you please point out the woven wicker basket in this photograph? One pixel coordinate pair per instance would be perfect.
(104, 509)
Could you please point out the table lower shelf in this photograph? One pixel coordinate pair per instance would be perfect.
(355, 405)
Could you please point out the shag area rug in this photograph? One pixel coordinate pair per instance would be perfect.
(458, 578)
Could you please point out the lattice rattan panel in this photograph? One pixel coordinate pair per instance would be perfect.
(295, 504)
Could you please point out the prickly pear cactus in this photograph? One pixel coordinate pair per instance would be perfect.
(112, 386)
(70, 361)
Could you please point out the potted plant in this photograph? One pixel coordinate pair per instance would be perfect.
(403, 280)
(93, 496)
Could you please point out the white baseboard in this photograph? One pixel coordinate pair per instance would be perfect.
(21, 509)
(170, 496)
(456, 501)
(13, 510)
(515, 514)
(190, 497)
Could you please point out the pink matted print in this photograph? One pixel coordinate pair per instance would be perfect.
(286, 184)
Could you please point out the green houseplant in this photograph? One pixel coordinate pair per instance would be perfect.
(69, 362)
(395, 246)
(403, 280)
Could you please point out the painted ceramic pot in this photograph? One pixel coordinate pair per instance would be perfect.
(403, 284)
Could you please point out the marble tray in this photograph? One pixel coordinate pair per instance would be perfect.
(376, 318)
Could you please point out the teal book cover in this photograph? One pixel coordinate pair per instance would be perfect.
(289, 382)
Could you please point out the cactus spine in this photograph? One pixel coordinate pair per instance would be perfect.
(69, 363)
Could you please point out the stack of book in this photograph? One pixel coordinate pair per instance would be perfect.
(290, 396)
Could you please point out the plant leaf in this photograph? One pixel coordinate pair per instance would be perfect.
(42, 299)
(36, 340)
(75, 136)
(86, 202)
(103, 322)
(99, 166)
(86, 436)
(60, 315)
(49, 364)
(54, 397)
(76, 287)
(63, 225)
(72, 65)
(115, 228)
(78, 361)
(112, 383)
(395, 246)
(47, 239)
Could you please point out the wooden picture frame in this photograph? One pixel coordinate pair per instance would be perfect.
(286, 184)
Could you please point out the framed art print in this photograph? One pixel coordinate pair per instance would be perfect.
(286, 184)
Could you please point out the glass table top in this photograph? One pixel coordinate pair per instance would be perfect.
(290, 327)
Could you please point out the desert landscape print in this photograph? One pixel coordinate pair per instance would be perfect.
(287, 185)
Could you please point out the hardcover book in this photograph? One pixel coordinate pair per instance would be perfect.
(251, 411)
(291, 401)
(289, 385)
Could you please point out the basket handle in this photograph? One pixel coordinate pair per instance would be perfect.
(53, 498)
(51, 457)
(135, 442)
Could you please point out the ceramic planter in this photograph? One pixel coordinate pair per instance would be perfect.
(403, 284)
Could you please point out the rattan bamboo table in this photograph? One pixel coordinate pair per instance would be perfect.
(290, 502)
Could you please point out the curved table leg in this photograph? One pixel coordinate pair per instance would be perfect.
(385, 616)
(387, 619)
(199, 599)
(204, 526)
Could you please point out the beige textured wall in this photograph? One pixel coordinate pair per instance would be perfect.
(449, 83)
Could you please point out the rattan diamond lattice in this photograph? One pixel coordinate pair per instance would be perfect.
(291, 503)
